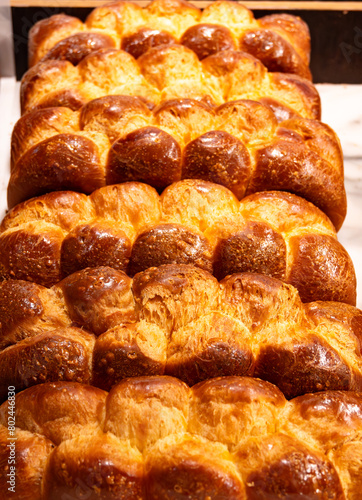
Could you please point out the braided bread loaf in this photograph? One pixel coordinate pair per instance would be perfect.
(118, 138)
(281, 42)
(163, 73)
(99, 326)
(155, 438)
(130, 227)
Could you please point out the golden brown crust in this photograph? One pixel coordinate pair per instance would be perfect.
(45, 33)
(45, 73)
(218, 157)
(256, 247)
(168, 72)
(222, 349)
(208, 39)
(219, 27)
(134, 158)
(287, 165)
(68, 98)
(76, 47)
(309, 254)
(27, 309)
(177, 319)
(65, 161)
(28, 255)
(59, 410)
(192, 466)
(95, 244)
(326, 418)
(142, 40)
(280, 465)
(238, 144)
(23, 458)
(298, 367)
(117, 471)
(111, 114)
(170, 244)
(98, 299)
(292, 26)
(274, 51)
(35, 127)
(153, 437)
(63, 354)
(130, 227)
(307, 92)
(129, 350)
(19, 304)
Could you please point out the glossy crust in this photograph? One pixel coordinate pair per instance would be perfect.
(176, 319)
(281, 42)
(154, 437)
(130, 227)
(118, 138)
(167, 72)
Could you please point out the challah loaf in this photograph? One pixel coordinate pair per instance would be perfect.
(280, 41)
(99, 326)
(155, 438)
(163, 73)
(130, 227)
(118, 138)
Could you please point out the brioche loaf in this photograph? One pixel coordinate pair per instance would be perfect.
(99, 326)
(118, 138)
(155, 438)
(280, 41)
(163, 73)
(130, 227)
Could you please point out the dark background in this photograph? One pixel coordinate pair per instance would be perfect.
(336, 39)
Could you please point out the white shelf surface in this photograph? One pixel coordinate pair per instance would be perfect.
(341, 110)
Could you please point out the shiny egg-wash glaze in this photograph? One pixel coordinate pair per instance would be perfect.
(98, 326)
(280, 41)
(130, 227)
(116, 139)
(232, 438)
(162, 73)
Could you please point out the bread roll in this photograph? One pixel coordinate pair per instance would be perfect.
(130, 227)
(99, 326)
(281, 42)
(163, 73)
(154, 437)
(117, 139)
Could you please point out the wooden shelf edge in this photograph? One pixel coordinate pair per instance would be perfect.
(253, 5)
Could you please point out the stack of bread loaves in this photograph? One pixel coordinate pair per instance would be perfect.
(172, 240)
